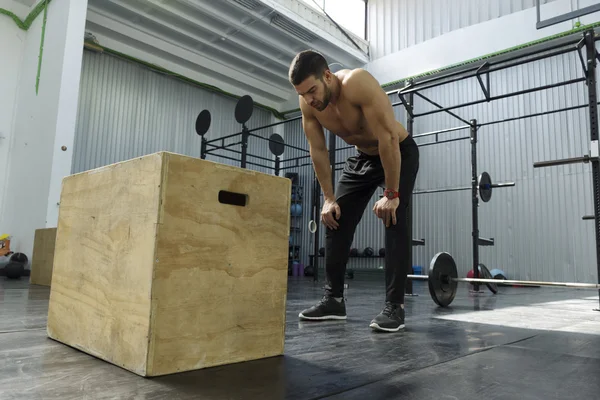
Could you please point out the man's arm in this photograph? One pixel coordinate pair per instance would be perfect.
(318, 150)
(364, 91)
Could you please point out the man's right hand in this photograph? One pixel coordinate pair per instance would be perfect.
(330, 214)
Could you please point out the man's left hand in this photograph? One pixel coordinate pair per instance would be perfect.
(386, 210)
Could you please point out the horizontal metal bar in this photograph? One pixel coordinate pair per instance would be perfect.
(223, 137)
(588, 217)
(461, 119)
(458, 128)
(501, 185)
(295, 166)
(472, 72)
(567, 16)
(457, 189)
(295, 158)
(503, 96)
(275, 141)
(486, 242)
(564, 161)
(535, 115)
(514, 282)
(215, 147)
(531, 283)
(275, 124)
(247, 162)
(418, 242)
(444, 141)
(211, 151)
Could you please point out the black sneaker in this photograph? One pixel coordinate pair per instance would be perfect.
(391, 319)
(327, 308)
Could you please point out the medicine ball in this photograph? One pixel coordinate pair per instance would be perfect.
(382, 252)
(369, 252)
(19, 258)
(14, 270)
(353, 252)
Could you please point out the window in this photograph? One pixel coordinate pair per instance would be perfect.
(349, 14)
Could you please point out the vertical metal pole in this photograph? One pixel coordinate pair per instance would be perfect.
(203, 147)
(475, 201)
(245, 135)
(590, 45)
(409, 127)
(316, 202)
(277, 165)
(332, 153)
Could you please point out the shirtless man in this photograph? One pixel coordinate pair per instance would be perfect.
(352, 105)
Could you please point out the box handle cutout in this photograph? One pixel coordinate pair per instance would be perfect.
(235, 199)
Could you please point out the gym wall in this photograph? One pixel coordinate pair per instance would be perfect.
(42, 117)
(9, 73)
(537, 225)
(420, 20)
(127, 110)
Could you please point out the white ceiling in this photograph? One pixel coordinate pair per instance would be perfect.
(240, 46)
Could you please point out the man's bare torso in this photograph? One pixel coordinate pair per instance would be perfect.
(347, 121)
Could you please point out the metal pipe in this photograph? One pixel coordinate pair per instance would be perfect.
(474, 201)
(472, 72)
(458, 128)
(526, 91)
(515, 282)
(275, 141)
(563, 161)
(275, 124)
(444, 141)
(440, 107)
(534, 115)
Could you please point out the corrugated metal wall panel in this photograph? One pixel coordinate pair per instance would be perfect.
(126, 111)
(537, 224)
(397, 24)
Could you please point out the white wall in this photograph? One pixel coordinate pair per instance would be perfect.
(477, 41)
(11, 47)
(43, 122)
(394, 25)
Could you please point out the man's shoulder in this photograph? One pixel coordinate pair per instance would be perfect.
(358, 82)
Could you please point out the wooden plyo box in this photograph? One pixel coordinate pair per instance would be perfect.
(157, 272)
(42, 257)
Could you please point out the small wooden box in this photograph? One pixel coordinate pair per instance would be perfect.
(155, 271)
(42, 257)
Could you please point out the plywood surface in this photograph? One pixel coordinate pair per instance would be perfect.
(42, 257)
(220, 278)
(100, 294)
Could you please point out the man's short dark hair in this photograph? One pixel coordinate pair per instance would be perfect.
(305, 64)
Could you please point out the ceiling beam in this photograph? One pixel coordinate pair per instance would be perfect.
(280, 74)
(179, 61)
(359, 55)
(113, 22)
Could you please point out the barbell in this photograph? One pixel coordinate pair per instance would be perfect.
(484, 185)
(443, 280)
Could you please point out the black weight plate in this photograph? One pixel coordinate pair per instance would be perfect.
(276, 144)
(442, 287)
(203, 122)
(244, 109)
(485, 273)
(485, 187)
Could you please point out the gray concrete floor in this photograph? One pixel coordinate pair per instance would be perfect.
(522, 343)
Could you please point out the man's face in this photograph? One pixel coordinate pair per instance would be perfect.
(316, 92)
